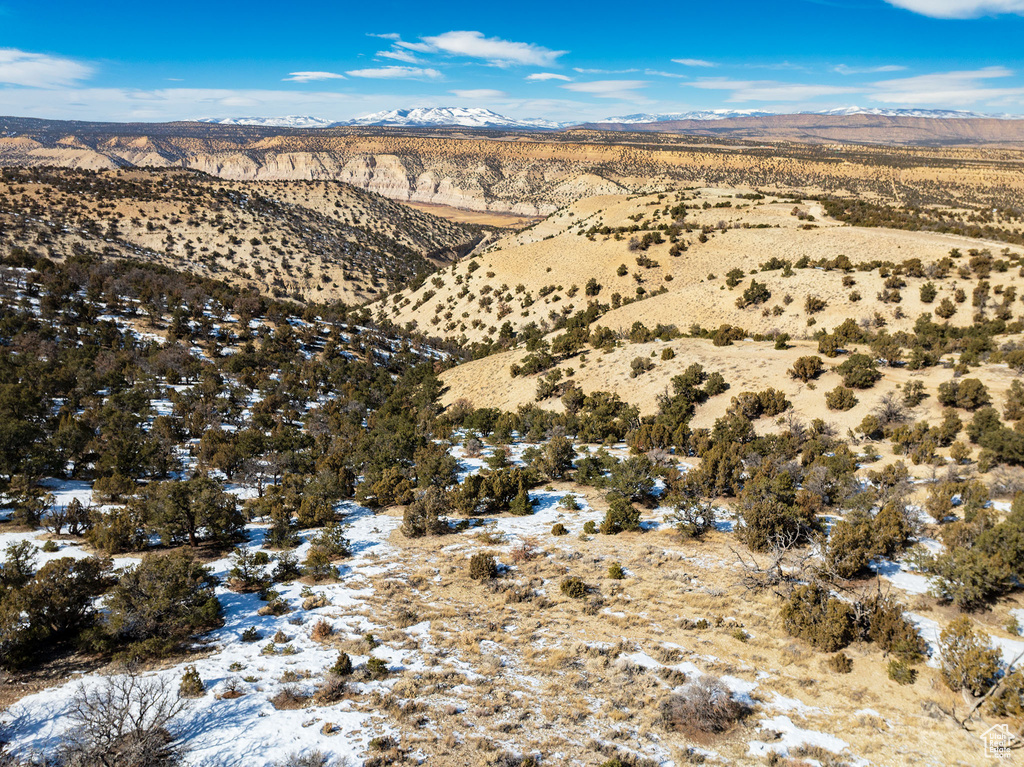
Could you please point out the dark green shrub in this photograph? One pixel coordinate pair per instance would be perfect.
(692, 517)
(770, 514)
(319, 566)
(521, 505)
(806, 368)
(569, 502)
(483, 566)
(621, 516)
(639, 366)
(823, 621)
(573, 587)
(945, 309)
(342, 666)
(968, 660)
(559, 529)
(191, 685)
(840, 398)
(756, 293)
(160, 602)
(850, 546)
(427, 514)
(55, 604)
(901, 672)
(889, 629)
(120, 530)
(247, 574)
(966, 393)
(859, 371)
(376, 668)
(814, 304)
(615, 571)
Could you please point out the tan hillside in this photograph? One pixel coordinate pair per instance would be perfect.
(542, 273)
(306, 240)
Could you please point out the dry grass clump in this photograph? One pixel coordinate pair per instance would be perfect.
(290, 698)
(331, 690)
(705, 706)
(322, 630)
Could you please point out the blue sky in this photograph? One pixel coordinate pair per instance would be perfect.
(559, 60)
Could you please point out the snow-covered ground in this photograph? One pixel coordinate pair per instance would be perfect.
(248, 730)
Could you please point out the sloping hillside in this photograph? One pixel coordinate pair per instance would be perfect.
(306, 240)
(690, 257)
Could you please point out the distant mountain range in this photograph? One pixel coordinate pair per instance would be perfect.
(468, 117)
(478, 117)
(421, 117)
(291, 121)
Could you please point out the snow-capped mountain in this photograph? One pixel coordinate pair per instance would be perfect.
(478, 117)
(706, 114)
(469, 117)
(726, 114)
(942, 114)
(291, 121)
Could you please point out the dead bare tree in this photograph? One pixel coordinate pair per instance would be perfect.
(788, 563)
(125, 721)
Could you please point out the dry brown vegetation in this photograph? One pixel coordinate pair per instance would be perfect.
(556, 675)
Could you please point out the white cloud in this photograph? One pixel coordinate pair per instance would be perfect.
(610, 89)
(479, 93)
(541, 76)
(309, 77)
(659, 73)
(491, 49)
(130, 105)
(960, 88)
(385, 36)
(938, 89)
(769, 90)
(127, 104)
(604, 71)
(39, 70)
(845, 70)
(960, 9)
(396, 73)
(694, 63)
(418, 47)
(400, 55)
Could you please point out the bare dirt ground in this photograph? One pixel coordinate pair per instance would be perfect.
(483, 218)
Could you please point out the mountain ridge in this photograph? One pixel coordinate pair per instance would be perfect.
(480, 117)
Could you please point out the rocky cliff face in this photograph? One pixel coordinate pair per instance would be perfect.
(525, 174)
(407, 173)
